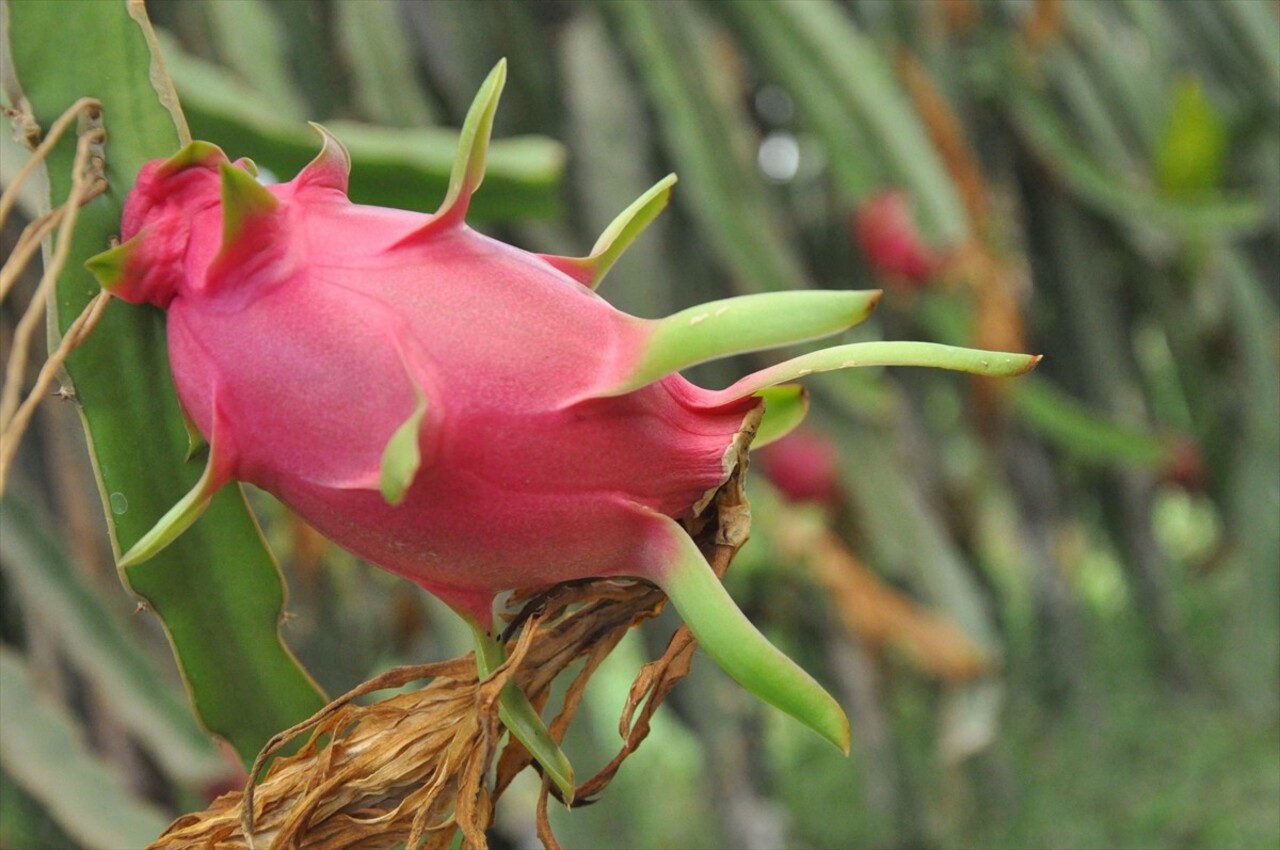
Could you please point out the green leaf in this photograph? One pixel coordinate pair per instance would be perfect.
(1116, 198)
(847, 90)
(1253, 500)
(709, 137)
(1255, 26)
(1085, 433)
(612, 151)
(250, 39)
(866, 80)
(101, 649)
(911, 541)
(1129, 83)
(379, 53)
(42, 748)
(217, 590)
(1192, 149)
(1092, 112)
(26, 823)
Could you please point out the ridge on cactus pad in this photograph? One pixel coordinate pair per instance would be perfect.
(463, 413)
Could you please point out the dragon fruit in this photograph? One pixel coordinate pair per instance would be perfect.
(805, 467)
(463, 413)
(886, 231)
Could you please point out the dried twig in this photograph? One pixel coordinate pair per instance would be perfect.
(87, 182)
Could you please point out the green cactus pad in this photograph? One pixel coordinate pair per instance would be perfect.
(195, 440)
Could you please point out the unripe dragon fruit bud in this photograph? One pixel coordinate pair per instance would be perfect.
(466, 414)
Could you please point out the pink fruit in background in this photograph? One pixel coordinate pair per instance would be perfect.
(466, 414)
(804, 466)
(886, 231)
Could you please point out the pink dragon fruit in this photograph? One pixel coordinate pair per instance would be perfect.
(805, 467)
(886, 231)
(468, 415)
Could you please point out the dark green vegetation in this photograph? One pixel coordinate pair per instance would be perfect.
(1099, 182)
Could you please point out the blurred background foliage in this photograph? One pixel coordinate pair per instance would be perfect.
(1051, 606)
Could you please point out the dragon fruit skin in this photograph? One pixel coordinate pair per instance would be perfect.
(555, 490)
(466, 414)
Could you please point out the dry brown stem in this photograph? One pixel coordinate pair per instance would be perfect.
(87, 182)
(415, 768)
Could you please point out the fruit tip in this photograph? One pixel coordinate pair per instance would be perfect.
(870, 298)
(831, 723)
(844, 737)
(499, 74)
